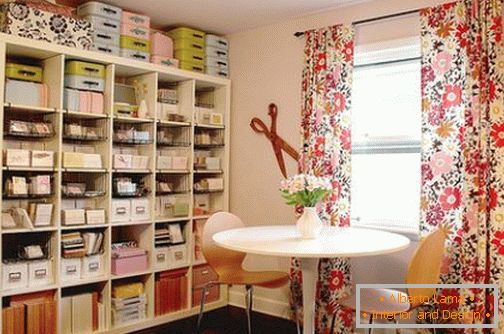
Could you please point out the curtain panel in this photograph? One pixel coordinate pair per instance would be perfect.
(463, 146)
(325, 126)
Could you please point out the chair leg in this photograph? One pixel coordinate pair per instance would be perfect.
(370, 330)
(398, 331)
(298, 323)
(202, 306)
(248, 302)
(332, 323)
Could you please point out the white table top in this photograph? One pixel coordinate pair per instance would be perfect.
(284, 240)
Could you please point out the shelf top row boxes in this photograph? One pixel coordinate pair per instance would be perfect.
(15, 24)
(106, 20)
(161, 47)
(24, 85)
(217, 61)
(189, 45)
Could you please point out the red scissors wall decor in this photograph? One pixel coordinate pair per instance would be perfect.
(277, 142)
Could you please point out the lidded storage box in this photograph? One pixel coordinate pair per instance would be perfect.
(189, 46)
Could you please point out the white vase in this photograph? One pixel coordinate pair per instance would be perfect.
(309, 224)
(143, 110)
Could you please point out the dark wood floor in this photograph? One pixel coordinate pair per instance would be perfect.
(227, 320)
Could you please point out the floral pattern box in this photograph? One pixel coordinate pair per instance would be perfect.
(19, 19)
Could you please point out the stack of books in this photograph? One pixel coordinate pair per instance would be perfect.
(82, 313)
(171, 291)
(72, 245)
(75, 244)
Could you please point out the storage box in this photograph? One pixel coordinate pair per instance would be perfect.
(161, 257)
(179, 163)
(73, 217)
(201, 204)
(211, 295)
(70, 269)
(134, 31)
(127, 290)
(96, 104)
(177, 256)
(164, 162)
(106, 38)
(215, 183)
(203, 275)
(216, 42)
(92, 160)
(213, 163)
(129, 260)
(123, 161)
(95, 216)
(73, 160)
(100, 9)
(166, 61)
(216, 53)
(22, 20)
(190, 56)
(140, 162)
(136, 55)
(17, 158)
(140, 209)
(187, 33)
(40, 273)
(15, 275)
(106, 48)
(26, 93)
(218, 72)
(23, 72)
(190, 66)
(104, 24)
(42, 159)
(86, 69)
(92, 266)
(137, 44)
(121, 210)
(41, 213)
(216, 62)
(135, 19)
(84, 83)
(161, 45)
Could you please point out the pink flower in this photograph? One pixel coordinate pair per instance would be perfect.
(450, 199)
(442, 63)
(498, 134)
(452, 96)
(339, 102)
(440, 163)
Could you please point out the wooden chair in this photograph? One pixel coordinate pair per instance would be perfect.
(228, 265)
(424, 268)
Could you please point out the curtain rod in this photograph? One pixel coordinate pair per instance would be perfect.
(373, 19)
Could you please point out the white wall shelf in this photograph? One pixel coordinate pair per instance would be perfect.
(118, 70)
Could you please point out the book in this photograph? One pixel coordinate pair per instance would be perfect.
(82, 314)
(66, 315)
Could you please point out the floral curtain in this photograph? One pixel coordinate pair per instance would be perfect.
(326, 96)
(463, 144)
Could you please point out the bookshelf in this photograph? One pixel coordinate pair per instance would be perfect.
(189, 139)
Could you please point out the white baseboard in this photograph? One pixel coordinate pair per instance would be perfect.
(260, 304)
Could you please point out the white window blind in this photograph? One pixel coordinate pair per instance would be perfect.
(386, 129)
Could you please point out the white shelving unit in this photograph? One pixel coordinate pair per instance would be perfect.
(53, 58)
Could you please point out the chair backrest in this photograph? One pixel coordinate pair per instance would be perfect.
(425, 266)
(222, 260)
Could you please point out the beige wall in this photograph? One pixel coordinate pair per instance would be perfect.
(266, 65)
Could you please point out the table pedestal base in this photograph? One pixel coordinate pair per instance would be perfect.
(309, 268)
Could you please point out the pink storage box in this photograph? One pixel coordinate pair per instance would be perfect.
(91, 102)
(166, 61)
(129, 260)
(161, 45)
(135, 31)
(135, 19)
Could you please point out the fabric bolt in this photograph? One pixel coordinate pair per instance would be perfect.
(325, 126)
(463, 147)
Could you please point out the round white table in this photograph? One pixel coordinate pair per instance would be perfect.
(285, 241)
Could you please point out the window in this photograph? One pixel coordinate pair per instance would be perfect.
(386, 129)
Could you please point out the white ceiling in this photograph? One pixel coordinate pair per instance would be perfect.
(225, 16)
